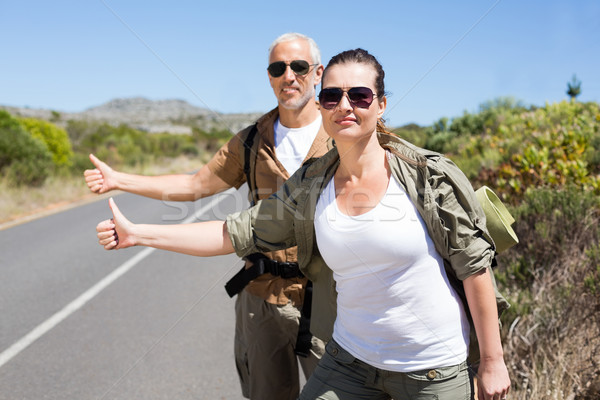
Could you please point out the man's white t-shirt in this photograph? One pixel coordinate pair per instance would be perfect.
(396, 309)
(292, 144)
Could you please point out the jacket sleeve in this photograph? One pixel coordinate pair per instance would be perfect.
(469, 248)
(462, 220)
(261, 228)
(227, 163)
(270, 224)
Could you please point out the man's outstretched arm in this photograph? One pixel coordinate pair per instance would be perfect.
(178, 187)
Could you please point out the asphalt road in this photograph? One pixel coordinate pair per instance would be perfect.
(160, 327)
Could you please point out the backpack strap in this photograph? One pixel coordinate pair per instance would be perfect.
(261, 264)
(250, 163)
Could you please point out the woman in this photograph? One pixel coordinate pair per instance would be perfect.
(382, 229)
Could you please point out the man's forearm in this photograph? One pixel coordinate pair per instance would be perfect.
(164, 187)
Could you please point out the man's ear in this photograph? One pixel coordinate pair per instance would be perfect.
(319, 74)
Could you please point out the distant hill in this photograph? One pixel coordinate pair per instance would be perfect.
(174, 116)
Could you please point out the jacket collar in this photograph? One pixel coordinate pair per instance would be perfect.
(405, 150)
(399, 147)
(265, 126)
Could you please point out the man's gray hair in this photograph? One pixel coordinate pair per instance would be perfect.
(315, 53)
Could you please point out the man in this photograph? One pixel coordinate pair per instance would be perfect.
(268, 309)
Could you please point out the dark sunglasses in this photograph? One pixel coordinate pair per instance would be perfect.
(300, 67)
(360, 97)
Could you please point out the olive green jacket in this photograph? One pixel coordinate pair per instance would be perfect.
(441, 192)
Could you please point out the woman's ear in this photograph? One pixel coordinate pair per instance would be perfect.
(382, 105)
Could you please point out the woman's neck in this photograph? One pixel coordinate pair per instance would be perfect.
(363, 176)
(359, 158)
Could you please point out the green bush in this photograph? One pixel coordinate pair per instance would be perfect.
(557, 147)
(413, 133)
(551, 224)
(24, 160)
(210, 141)
(592, 277)
(175, 145)
(552, 280)
(511, 148)
(78, 131)
(126, 146)
(55, 138)
(120, 145)
(442, 134)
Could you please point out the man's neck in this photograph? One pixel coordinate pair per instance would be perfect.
(300, 117)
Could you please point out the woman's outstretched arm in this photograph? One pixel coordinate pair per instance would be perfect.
(493, 380)
(200, 239)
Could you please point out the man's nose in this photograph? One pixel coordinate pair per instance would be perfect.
(289, 75)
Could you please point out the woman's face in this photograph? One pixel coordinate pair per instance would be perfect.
(346, 122)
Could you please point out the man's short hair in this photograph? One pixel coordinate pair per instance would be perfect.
(315, 53)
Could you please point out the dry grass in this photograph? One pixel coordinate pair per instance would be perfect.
(552, 335)
(17, 203)
(21, 202)
(553, 352)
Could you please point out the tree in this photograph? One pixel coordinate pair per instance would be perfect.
(574, 88)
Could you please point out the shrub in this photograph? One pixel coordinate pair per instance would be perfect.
(55, 138)
(210, 141)
(552, 279)
(557, 146)
(24, 160)
(413, 133)
(126, 146)
(168, 145)
(511, 148)
(551, 224)
(118, 146)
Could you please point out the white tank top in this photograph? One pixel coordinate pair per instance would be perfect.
(292, 144)
(395, 307)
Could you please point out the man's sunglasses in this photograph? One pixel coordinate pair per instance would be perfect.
(300, 67)
(360, 97)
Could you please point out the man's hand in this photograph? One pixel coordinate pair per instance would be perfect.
(115, 233)
(101, 179)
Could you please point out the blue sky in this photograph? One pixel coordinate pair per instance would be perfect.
(441, 58)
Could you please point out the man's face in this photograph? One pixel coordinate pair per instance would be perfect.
(294, 91)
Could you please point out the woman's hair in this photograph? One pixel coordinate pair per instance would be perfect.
(362, 56)
(315, 53)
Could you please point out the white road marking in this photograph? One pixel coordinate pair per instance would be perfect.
(92, 292)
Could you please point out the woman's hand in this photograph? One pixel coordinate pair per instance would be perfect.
(493, 382)
(205, 239)
(115, 233)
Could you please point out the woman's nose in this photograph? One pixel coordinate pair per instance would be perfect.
(344, 103)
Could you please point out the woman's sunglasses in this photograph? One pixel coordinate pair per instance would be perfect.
(360, 97)
(300, 67)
